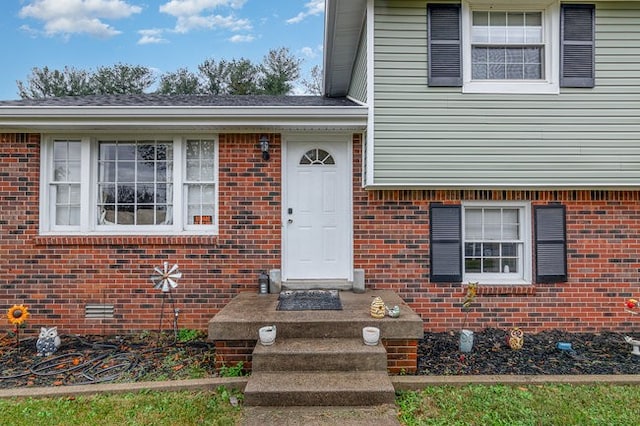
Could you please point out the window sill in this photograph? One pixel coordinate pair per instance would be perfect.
(499, 87)
(506, 290)
(134, 240)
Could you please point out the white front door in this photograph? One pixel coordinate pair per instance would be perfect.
(317, 209)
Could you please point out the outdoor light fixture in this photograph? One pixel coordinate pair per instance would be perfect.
(264, 147)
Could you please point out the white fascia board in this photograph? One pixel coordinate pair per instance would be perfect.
(504, 186)
(184, 118)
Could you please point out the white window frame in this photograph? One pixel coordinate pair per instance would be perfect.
(551, 41)
(89, 189)
(525, 276)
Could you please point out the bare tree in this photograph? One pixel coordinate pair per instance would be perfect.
(314, 85)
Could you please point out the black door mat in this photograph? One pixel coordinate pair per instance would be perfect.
(309, 300)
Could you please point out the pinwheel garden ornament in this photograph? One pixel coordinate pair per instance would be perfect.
(167, 278)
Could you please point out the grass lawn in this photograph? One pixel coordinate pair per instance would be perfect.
(521, 405)
(447, 405)
(143, 408)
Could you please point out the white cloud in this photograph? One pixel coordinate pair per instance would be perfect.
(241, 38)
(196, 7)
(67, 17)
(151, 36)
(308, 52)
(184, 24)
(311, 52)
(312, 8)
(194, 14)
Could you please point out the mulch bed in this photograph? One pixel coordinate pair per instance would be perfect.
(602, 353)
(97, 359)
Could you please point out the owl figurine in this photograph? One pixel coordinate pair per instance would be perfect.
(48, 341)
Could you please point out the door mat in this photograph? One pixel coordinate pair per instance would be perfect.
(309, 300)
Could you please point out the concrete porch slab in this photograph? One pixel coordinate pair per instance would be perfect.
(247, 312)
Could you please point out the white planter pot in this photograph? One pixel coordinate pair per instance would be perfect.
(466, 341)
(371, 335)
(267, 335)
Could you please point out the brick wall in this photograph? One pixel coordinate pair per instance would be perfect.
(603, 244)
(57, 276)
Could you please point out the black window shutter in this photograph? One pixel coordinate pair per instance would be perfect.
(577, 45)
(444, 44)
(446, 243)
(551, 244)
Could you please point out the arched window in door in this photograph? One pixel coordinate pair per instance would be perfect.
(317, 156)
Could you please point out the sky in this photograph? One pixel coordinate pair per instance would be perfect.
(163, 35)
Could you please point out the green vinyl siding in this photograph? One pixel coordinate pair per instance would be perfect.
(358, 84)
(439, 137)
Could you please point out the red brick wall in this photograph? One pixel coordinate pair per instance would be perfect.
(56, 276)
(603, 244)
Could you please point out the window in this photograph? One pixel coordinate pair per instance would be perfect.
(490, 242)
(495, 240)
(510, 49)
(532, 47)
(507, 46)
(129, 185)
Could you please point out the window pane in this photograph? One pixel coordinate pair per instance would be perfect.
(193, 170)
(515, 72)
(134, 180)
(125, 151)
(533, 19)
(490, 265)
(67, 202)
(145, 216)
(473, 224)
(125, 171)
(208, 170)
(145, 194)
(62, 215)
(510, 249)
(492, 225)
(124, 215)
(497, 72)
(472, 265)
(60, 171)
(509, 266)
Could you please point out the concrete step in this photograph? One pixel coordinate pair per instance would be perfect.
(331, 354)
(319, 389)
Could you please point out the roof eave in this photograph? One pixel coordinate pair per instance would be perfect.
(45, 119)
(343, 26)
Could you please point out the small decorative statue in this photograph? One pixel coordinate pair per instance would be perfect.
(377, 308)
(48, 341)
(515, 338)
(393, 312)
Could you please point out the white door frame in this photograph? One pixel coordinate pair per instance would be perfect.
(308, 138)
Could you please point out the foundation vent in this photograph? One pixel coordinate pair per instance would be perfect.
(97, 311)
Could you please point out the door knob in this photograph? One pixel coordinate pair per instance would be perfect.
(290, 221)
